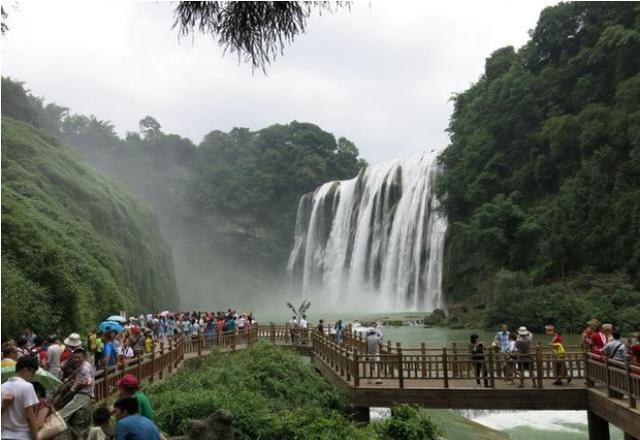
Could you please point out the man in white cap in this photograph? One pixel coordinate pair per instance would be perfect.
(523, 346)
(72, 342)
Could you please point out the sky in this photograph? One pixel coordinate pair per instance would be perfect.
(381, 74)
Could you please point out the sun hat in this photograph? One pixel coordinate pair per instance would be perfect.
(128, 381)
(522, 331)
(73, 340)
(594, 322)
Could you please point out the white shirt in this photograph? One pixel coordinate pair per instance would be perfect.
(14, 422)
(125, 352)
(53, 359)
(303, 323)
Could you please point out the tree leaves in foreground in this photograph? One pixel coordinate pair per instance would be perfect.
(257, 31)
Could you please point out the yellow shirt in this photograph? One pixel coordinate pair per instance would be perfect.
(148, 345)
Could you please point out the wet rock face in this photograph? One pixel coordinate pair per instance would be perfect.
(218, 426)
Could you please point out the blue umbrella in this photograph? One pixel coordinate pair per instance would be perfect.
(107, 326)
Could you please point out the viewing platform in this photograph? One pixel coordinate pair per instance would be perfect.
(430, 377)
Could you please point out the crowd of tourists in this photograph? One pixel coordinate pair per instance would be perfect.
(28, 412)
(517, 349)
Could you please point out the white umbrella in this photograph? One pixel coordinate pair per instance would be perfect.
(116, 318)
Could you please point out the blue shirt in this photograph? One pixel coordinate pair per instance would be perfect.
(136, 427)
(108, 350)
(503, 337)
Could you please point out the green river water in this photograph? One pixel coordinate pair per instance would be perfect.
(519, 425)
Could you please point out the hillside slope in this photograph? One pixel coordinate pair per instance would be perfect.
(541, 180)
(75, 245)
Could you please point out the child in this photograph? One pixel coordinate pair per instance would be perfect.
(559, 366)
(101, 429)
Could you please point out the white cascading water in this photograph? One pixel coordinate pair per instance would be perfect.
(374, 242)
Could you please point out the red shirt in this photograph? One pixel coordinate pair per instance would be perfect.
(220, 326)
(599, 340)
(635, 352)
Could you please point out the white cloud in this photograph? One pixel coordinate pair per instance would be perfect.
(381, 74)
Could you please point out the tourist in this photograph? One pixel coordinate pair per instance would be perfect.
(109, 355)
(615, 349)
(586, 341)
(83, 384)
(511, 357)
(195, 328)
(476, 349)
(54, 354)
(39, 350)
(230, 325)
(101, 429)
(130, 425)
(129, 386)
(19, 401)
(125, 351)
(171, 327)
(9, 355)
(559, 365)
(22, 348)
(43, 409)
(377, 330)
(502, 340)
(635, 349)
(211, 330)
(136, 341)
(523, 345)
(598, 339)
(30, 336)
(68, 365)
(148, 342)
(186, 329)
(607, 330)
(320, 327)
(373, 356)
(339, 331)
(293, 328)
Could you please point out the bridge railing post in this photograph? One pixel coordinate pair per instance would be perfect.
(272, 333)
(400, 368)
(607, 375)
(632, 397)
(356, 368)
(388, 367)
(539, 365)
(445, 367)
(455, 360)
(492, 376)
(161, 369)
(423, 359)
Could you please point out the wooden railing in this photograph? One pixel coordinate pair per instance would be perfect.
(621, 379)
(446, 367)
(166, 358)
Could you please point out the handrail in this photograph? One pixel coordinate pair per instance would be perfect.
(394, 364)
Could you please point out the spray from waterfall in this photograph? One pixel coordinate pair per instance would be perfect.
(374, 242)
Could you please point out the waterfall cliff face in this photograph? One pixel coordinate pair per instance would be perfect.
(374, 242)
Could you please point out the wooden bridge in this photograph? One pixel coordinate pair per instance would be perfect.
(434, 378)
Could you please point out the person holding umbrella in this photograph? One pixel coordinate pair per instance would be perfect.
(19, 401)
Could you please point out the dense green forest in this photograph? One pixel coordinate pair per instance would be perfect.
(541, 181)
(76, 247)
(227, 206)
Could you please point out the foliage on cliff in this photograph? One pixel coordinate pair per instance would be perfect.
(542, 175)
(75, 246)
(273, 394)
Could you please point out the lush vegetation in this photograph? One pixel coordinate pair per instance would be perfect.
(272, 394)
(75, 246)
(228, 203)
(541, 180)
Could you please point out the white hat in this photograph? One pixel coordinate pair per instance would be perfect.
(522, 331)
(73, 340)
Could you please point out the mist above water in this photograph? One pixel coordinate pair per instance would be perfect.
(374, 242)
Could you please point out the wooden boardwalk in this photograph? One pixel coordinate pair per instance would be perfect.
(433, 378)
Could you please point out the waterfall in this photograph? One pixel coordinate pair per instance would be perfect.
(374, 242)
